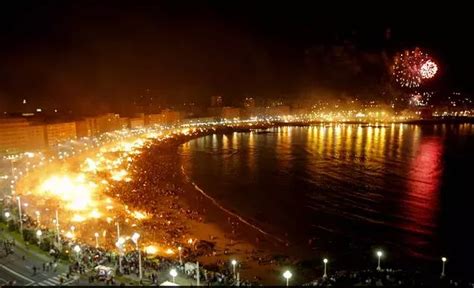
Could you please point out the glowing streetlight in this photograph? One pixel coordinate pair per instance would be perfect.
(325, 261)
(77, 249)
(7, 215)
(37, 218)
(443, 260)
(234, 263)
(379, 255)
(19, 212)
(173, 274)
(58, 239)
(180, 259)
(287, 276)
(38, 234)
(135, 238)
(96, 239)
(119, 245)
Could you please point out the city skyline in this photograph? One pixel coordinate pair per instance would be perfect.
(190, 52)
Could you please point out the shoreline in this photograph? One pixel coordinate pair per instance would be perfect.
(233, 236)
(260, 254)
(293, 255)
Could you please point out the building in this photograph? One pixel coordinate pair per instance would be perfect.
(153, 119)
(60, 132)
(136, 122)
(249, 103)
(170, 116)
(280, 110)
(84, 128)
(18, 135)
(109, 122)
(230, 112)
(217, 101)
(36, 137)
(214, 111)
(92, 125)
(12, 134)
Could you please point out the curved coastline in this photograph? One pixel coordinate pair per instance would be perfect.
(217, 204)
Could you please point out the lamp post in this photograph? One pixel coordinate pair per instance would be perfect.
(12, 186)
(38, 234)
(443, 260)
(180, 259)
(379, 255)
(287, 276)
(197, 274)
(96, 239)
(119, 245)
(173, 274)
(135, 237)
(21, 217)
(77, 249)
(325, 261)
(118, 230)
(57, 230)
(37, 218)
(233, 262)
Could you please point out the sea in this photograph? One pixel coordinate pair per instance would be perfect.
(344, 191)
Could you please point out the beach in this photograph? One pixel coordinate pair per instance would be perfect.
(168, 209)
(232, 236)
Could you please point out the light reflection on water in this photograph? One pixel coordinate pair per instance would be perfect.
(340, 185)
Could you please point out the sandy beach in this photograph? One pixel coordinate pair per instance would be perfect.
(263, 256)
(177, 210)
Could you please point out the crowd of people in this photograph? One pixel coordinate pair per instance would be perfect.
(156, 190)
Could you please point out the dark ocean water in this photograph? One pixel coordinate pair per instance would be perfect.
(343, 191)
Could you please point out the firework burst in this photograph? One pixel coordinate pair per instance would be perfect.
(428, 70)
(410, 68)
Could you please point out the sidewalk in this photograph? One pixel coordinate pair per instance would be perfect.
(20, 265)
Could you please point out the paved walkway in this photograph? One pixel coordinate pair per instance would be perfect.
(19, 266)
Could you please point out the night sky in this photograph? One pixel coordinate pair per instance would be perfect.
(105, 53)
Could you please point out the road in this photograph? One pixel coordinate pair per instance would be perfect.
(14, 268)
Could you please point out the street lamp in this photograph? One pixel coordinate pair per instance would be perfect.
(77, 249)
(58, 239)
(180, 259)
(173, 274)
(7, 215)
(96, 239)
(233, 262)
(119, 245)
(443, 259)
(379, 255)
(19, 212)
(325, 261)
(38, 234)
(37, 218)
(135, 237)
(287, 276)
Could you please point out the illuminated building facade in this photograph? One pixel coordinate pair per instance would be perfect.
(17, 135)
(60, 132)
